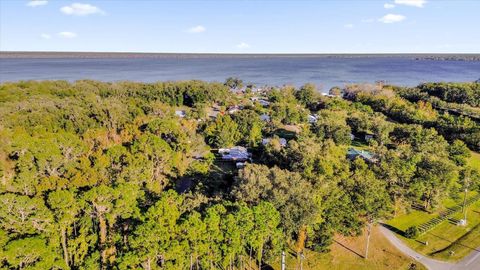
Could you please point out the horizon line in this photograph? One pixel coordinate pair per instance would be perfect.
(246, 53)
(165, 55)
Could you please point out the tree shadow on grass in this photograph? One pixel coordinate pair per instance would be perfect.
(455, 243)
(453, 221)
(349, 249)
(399, 232)
(393, 229)
(421, 208)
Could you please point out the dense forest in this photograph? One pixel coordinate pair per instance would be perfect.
(125, 175)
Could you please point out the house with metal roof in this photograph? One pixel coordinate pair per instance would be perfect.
(237, 153)
(353, 153)
(264, 103)
(265, 117)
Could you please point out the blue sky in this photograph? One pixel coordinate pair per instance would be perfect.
(241, 26)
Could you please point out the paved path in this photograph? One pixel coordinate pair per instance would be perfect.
(471, 262)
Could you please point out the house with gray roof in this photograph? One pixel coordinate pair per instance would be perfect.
(237, 153)
(353, 153)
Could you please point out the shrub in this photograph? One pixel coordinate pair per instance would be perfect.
(411, 232)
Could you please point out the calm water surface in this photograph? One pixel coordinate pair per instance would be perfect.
(323, 71)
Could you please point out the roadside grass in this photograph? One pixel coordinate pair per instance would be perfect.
(445, 237)
(462, 247)
(474, 160)
(347, 254)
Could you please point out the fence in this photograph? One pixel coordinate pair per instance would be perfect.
(424, 227)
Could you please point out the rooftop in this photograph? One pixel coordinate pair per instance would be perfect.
(353, 153)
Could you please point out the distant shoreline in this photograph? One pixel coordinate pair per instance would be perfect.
(419, 56)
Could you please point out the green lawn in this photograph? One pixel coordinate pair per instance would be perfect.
(360, 145)
(461, 247)
(474, 160)
(417, 217)
(446, 237)
(414, 218)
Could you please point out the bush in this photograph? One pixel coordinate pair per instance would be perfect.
(411, 232)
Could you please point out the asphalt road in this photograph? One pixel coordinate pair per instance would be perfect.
(471, 262)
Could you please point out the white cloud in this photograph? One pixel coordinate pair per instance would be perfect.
(388, 6)
(45, 36)
(79, 9)
(348, 25)
(413, 3)
(197, 29)
(243, 45)
(36, 3)
(67, 34)
(392, 18)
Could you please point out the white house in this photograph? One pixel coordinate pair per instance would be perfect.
(180, 113)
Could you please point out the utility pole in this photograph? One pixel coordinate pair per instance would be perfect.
(301, 260)
(466, 183)
(283, 260)
(369, 232)
(464, 206)
(191, 262)
(250, 258)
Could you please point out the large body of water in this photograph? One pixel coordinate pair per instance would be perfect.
(323, 71)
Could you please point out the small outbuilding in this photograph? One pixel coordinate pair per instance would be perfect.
(180, 113)
(265, 117)
(234, 109)
(364, 135)
(283, 141)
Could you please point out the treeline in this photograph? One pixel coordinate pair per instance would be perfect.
(415, 95)
(106, 226)
(86, 105)
(89, 173)
(462, 93)
(414, 106)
